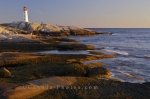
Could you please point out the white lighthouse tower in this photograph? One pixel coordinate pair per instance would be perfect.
(25, 12)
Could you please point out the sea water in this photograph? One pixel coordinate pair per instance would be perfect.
(132, 47)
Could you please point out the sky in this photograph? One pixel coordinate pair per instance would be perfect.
(82, 13)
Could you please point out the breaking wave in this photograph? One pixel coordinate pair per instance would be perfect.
(117, 52)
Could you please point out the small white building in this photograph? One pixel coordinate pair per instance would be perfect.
(26, 15)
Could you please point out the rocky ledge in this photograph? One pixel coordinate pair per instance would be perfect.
(45, 29)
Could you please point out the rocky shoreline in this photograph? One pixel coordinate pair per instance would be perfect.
(24, 73)
(42, 29)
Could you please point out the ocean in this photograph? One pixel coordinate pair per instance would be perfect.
(132, 46)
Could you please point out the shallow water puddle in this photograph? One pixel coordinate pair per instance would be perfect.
(63, 52)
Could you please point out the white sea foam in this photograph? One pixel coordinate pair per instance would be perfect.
(146, 56)
(115, 34)
(117, 52)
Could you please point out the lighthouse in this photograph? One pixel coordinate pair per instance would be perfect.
(25, 12)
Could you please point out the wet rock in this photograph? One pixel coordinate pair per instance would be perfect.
(72, 61)
(81, 32)
(97, 70)
(74, 46)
